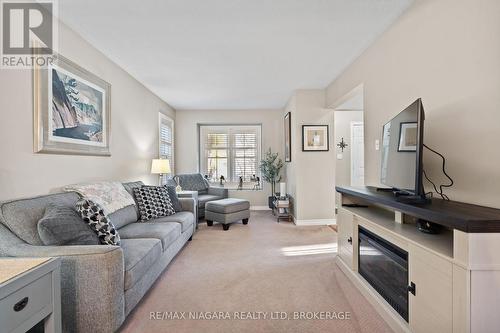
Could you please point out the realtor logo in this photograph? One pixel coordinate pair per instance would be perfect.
(28, 33)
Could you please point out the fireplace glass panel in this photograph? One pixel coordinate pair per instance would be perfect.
(385, 267)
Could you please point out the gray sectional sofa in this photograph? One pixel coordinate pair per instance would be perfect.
(206, 193)
(101, 284)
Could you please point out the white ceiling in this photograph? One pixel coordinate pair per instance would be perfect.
(231, 54)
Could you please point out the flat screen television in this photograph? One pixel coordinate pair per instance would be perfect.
(402, 147)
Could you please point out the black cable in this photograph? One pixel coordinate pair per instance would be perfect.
(444, 196)
(440, 191)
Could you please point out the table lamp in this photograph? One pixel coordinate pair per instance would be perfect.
(160, 167)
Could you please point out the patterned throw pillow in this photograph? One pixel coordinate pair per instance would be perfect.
(153, 202)
(94, 216)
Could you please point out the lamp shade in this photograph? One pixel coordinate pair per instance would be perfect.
(160, 166)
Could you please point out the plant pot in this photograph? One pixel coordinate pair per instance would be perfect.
(270, 201)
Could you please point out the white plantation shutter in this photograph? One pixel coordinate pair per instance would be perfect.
(231, 151)
(245, 154)
(166, 134)
(216, 153)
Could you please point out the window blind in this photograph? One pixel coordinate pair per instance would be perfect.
(245, 155)
(230, 151)
(166, 135)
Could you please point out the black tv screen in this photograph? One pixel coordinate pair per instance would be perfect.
(402, 140)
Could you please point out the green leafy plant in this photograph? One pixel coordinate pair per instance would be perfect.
(270, 167)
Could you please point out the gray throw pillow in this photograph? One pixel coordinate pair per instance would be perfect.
(62, 225)
(173, 198)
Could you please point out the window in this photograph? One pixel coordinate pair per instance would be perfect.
(230, 151)
(166, 134)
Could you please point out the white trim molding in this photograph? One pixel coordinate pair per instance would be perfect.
(315, 222)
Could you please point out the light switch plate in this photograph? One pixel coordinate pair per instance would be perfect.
(377, 145)
(340, 156)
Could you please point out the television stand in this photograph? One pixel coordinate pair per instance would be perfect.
(386, 189)
(411, 199)
(403, 196)
(454, 272)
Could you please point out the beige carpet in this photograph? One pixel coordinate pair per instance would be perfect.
(263, 268)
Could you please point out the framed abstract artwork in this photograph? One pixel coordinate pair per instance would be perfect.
(72, 110)
(315, 138)
(288, 137)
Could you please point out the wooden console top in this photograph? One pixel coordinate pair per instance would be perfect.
(455, 215)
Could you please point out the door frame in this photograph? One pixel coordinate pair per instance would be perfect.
(356, 123)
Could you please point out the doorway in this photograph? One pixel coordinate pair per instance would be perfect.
(357, 153)
(349, 141)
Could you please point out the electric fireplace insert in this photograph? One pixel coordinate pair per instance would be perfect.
(385, 267)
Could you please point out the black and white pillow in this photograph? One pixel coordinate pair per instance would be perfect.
(94, 216)
(153, 202)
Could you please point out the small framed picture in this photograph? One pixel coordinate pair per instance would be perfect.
(315, 138)
(407, 137)
(288, 138)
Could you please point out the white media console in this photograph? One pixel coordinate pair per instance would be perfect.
(455, 274)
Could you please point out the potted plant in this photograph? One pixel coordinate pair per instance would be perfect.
(270, 167)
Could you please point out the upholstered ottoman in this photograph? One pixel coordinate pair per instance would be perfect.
(227, 211)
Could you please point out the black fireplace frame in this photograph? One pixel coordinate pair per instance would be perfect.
(396, 297)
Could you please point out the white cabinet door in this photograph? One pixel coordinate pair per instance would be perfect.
(431, 307)
(345, 239)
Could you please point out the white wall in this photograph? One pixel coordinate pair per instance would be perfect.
(448, 53)
(343, 121)
(134, 135)
(311, 175)
(186, 138)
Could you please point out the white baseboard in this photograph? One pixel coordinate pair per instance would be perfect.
(259, 208)
(315, 222)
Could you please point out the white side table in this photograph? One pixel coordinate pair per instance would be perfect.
(30, 292)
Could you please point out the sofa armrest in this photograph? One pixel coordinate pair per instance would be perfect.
(26, 250)
(188, 205)
(92, 284)
(219, 191)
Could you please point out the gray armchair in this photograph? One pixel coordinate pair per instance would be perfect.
(206, 193)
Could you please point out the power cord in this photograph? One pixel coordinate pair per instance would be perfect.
(440, 190)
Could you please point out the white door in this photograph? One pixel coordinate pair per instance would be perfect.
(357, 154)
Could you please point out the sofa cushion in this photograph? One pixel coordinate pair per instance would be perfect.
(185, 219)
(227, 206)
(130, 189)
(22, 216)
(192, 182)
(173, 198)
(94, 216)
(124, 216)
(204, 198)
(153, 202)
(61, 225)
(167, 233)
(139, 255)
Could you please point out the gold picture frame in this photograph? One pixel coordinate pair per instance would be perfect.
(72, 110)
